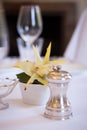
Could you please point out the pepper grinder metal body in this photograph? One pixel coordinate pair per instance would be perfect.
(58, 107)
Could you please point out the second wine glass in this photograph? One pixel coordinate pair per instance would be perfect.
(29, 24)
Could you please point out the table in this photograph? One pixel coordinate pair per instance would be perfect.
(20, 116)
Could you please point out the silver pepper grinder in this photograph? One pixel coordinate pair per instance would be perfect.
(58, 107)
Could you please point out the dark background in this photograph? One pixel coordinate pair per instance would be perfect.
(58, 25)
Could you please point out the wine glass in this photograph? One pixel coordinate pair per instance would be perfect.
(29, 24)
(6, 87)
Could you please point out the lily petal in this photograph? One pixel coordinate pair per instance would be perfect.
(31, 80)
(26, 66)
(42, 80)
(57, 62)
(47, 55)
(36, 77)
(38, 60)
(44, 70)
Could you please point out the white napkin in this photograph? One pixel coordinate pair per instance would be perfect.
(77, 47)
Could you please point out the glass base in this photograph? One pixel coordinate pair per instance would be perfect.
(3, 105)
(58, 114)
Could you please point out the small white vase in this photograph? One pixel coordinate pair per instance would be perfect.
(35, 94)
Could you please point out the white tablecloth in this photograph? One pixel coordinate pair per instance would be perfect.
(20, 116)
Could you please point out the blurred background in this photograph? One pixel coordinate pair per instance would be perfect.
(59, 20)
